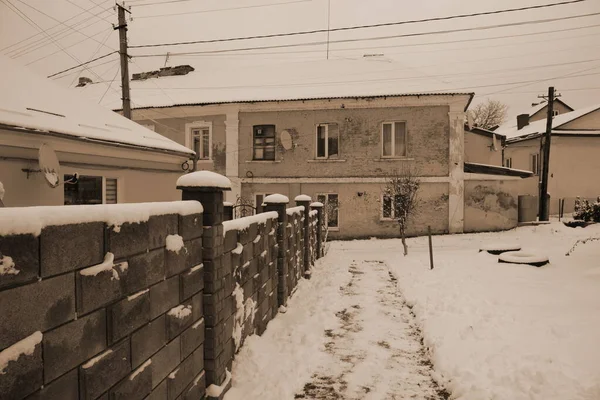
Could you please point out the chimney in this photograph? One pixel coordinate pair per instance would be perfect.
(83, 81)
(522, 121)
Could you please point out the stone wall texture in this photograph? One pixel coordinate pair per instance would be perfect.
(103, 312)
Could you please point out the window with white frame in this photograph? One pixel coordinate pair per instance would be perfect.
(389, 207)
(199, 138)
(535, 164)
(332, 209)
(508, 162)
(89, 190)
(328, 140)
(393, 139)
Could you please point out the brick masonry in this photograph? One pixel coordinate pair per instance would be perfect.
(158, 324)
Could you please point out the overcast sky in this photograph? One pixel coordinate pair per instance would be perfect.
(511, 69)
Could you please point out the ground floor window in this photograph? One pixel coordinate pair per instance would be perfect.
(332, 209)
(89, 190)
(389, 207)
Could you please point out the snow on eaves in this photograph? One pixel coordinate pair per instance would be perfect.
(31, 220)
(35, 103)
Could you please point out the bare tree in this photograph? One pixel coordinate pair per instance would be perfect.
(489, 114)
(400, 199)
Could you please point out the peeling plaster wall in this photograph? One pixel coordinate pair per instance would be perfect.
(360, 215)
(360, 142)
(491, 205)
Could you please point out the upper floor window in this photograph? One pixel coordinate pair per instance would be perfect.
(201, 143)
(393, 139)
(328, 139)
(535, 164)
(263, 142)
(199, 138)
(90, 190)
(508, 163)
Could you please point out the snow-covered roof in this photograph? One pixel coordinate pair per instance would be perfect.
(34, 103)
(512, 123)
(540, 126)
(279, 82)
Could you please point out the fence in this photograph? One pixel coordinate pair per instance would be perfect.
(137, 300)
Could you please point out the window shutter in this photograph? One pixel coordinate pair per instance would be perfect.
(111, 191)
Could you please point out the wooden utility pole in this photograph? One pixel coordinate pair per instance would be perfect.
(544, 205)
(122, 27)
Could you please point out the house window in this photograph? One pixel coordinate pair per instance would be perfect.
(332, 209)
(264, 142)
(201, 143)
(393, 139)
(555, 112)
(535, 164)
(328, 139)
(389, 208)
(258, 201)
(90, 190)
(508, 163)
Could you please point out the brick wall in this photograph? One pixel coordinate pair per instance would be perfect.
(153, 309)
(98, 310)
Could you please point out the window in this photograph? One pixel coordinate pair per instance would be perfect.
(393, 139)
(198, 137)
(535, 164)
(258, 201)
(332, 209)
(555, 112)
(389, 208)
(90, 190)
(328, 139)
(508, 163)
(201, 143)
(264, 142)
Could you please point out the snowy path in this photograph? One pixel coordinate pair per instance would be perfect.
(377, 351)
(347, 334)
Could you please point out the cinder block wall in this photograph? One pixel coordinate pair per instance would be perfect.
(94, 311)
(295, 246)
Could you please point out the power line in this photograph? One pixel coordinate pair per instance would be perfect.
(206, 52)
(215, 10)
(388, 37)
(378, 25)
(110, 85)
(82, 64)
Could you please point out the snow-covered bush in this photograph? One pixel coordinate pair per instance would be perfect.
(586, 211)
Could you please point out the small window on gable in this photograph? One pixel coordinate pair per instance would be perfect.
(393, 139)
(328, 140)
(263, 142)
(535, 164)
(555, 112)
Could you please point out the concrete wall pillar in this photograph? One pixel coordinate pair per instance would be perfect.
(278, 203)
(320, 222)
(456, 173)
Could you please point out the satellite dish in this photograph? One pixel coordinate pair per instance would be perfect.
(49, 165)
(286, 140)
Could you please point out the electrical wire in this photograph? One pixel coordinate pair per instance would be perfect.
(215, 10)
(111, 82)
(380, 25)
(82, 64)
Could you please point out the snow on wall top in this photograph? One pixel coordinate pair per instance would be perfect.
(243, 223)
(302, 197)
(23, 347)
(294, 210)
(204, 179)
(31, 220)
(35, 103)
(276, 199)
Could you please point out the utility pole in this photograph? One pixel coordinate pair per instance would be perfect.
(544, 205)
(122, 27)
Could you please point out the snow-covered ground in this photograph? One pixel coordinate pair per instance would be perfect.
(491, 330)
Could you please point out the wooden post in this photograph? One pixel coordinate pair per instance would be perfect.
(430, 247)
